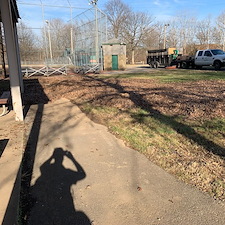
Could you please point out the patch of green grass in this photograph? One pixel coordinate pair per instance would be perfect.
(152, 122)
(213, 130)
(190, 75)
(126, 75)
(175, 144)
(88, 108)
(132, 135)
(138, 126)
(216, 124)
(178, 75)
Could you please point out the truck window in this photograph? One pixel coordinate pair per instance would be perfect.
(200, 53)
(217, 52)
(208, 53)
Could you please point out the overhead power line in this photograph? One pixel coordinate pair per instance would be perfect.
(55, 6)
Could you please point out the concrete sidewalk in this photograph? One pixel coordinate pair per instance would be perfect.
(11, 150)
(82, 174)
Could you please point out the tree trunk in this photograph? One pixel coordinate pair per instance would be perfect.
(132, 57)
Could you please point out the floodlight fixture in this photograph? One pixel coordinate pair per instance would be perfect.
(94, 2)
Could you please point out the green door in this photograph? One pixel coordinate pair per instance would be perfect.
(114, 62)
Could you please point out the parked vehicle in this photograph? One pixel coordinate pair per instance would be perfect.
(208, 57)
(161, 57)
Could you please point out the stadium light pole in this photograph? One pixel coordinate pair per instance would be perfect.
(71, 27)
(44, 27)
(164, 40)
(94, 3)
(49, 39)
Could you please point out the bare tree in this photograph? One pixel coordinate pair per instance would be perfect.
(172, 36)
(178, 33)
(58, 35)
(185, 29)
(159, 33)
(218, 37)
(131, 27)
(221, 28)
(27, 42)
(184, 32)
(152, 38)
(204, 31)
(138, 24)
(118, 13)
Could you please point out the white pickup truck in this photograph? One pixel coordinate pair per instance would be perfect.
(210, 57)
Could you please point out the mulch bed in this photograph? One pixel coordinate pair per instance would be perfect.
(200, 99)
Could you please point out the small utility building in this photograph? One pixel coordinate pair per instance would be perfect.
(114, 55)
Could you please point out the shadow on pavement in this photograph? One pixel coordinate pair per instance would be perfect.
(3, 143)
(11, 214)
(49, 200)
(28, 163)
(53, 199)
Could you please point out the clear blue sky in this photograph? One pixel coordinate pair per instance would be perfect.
(162, 10)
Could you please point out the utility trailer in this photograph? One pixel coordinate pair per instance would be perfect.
(184, 61)
(161, 57)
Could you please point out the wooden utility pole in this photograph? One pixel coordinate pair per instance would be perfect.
(2, 53)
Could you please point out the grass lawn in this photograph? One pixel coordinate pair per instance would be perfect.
(192, 149)
(178, 75)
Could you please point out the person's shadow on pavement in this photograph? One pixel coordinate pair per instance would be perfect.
(53, 200)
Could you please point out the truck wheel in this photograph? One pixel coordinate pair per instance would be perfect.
(217, 65)
(152, 65)
(156, 65)
(184, 65)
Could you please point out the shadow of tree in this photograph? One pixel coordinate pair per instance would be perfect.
(34, 92)
(179, 127)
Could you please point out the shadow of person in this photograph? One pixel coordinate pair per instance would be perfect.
(53, 202)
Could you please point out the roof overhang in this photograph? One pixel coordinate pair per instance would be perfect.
(14, 10)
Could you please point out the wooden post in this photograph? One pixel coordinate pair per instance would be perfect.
(2, 52)
(12, 52)
(18, 60)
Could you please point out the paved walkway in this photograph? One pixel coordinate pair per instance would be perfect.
(112, 185)
(11, 149)
(82, 174)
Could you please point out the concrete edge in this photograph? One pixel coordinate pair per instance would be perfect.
(10, 179)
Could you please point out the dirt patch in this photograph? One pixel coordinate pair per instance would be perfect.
(201, 99)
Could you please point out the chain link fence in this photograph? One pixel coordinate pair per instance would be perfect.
(62, 35)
